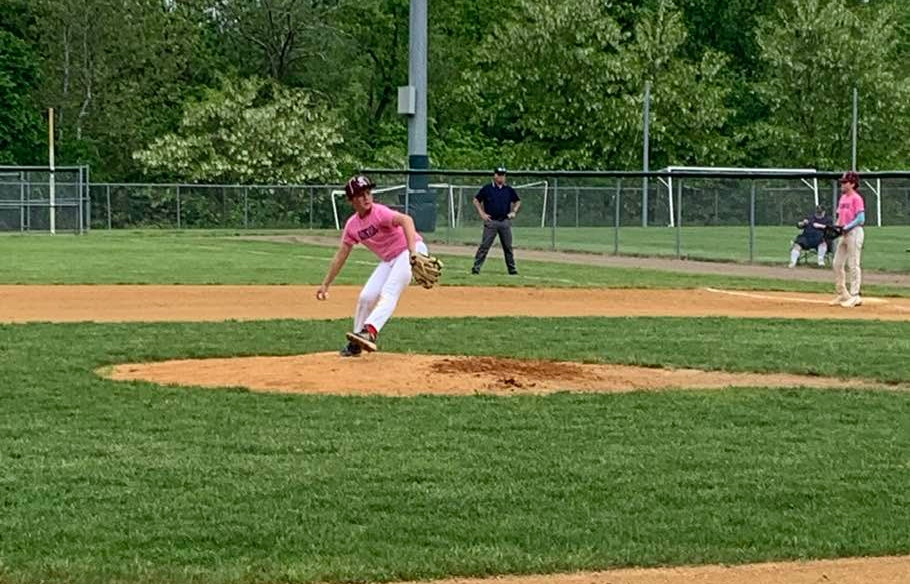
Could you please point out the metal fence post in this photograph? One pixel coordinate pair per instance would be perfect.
(679, 219)
(21, 201)
(88, 196)
(28, 204)
(246, 209)
(878, 196)
(178, 207)
(617, 202)
(834, 191)
(752, 222)
(310, 190)
(458, 207)
(81, 200)
(555, 196)
(108, 196)
(450, 213)
(576, 206)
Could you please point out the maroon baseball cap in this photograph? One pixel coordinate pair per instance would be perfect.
(357, 185)
(850, 177)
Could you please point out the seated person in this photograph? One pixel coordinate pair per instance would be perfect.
(812, 237)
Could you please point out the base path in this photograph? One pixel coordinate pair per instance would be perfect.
(889, 570)
(217, 303)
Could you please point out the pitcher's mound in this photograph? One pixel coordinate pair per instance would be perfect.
(399, 374)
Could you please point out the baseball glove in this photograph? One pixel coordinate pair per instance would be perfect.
(426, 270)
(833, 231)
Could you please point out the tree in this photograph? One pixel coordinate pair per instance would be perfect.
(567, 78)
(280, 39)
(250, 131)
(814, 52)
(690, 112)
(20, 119)
(378, 34)
(118, 73)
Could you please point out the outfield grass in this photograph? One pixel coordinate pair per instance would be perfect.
(104, 481)
(885, 247)
(214, 258)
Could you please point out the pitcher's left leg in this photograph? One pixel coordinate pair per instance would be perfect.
(395, 285)
(840, 276)
(854, 260)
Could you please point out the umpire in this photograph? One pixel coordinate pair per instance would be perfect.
(497, 203)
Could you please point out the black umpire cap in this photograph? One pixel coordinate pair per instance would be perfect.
(500, 170)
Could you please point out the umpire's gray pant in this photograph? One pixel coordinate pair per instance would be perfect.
(490, 229)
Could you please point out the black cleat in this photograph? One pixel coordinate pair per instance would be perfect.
(364, 340)
(350, 350)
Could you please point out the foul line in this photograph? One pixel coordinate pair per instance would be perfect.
(791, 298)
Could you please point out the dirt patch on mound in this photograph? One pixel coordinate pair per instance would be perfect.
(513, 373)
(404, 375)
(889, 570)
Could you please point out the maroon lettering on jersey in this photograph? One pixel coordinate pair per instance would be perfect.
(367, 233)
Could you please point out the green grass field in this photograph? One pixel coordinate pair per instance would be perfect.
(885, 247)
(130, 482)
(147, 257)
(103, 481)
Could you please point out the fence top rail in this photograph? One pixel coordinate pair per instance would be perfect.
(215, 186)
(13, 169)
(739, 174)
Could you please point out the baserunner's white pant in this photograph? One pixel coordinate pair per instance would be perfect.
(380, 295)
(847, 257)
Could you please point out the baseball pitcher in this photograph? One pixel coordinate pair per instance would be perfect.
(402, 253)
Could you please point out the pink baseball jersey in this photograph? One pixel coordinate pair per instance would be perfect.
(377, 232)
(848, 207)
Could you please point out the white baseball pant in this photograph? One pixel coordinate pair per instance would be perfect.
(380, 295)
(847, 257)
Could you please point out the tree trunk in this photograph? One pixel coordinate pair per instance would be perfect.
(87, 76)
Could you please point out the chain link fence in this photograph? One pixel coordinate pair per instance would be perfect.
(689, 215)
(185, 206)
(36, 199)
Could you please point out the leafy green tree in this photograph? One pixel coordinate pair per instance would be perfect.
(728, 27)
(814, 53)
(378, 64)
(690, 111)
(20, 118)
(118, 73)
(281, 39)
(567, 78)
(250, 131)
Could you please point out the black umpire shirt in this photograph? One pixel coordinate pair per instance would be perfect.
(497, 201)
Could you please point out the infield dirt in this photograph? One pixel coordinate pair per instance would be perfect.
(214, 303)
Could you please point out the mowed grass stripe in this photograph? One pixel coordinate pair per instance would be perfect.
(101, 481)
(215, 258)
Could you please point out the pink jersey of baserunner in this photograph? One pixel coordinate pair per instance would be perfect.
(377, 232)
(848, 207)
